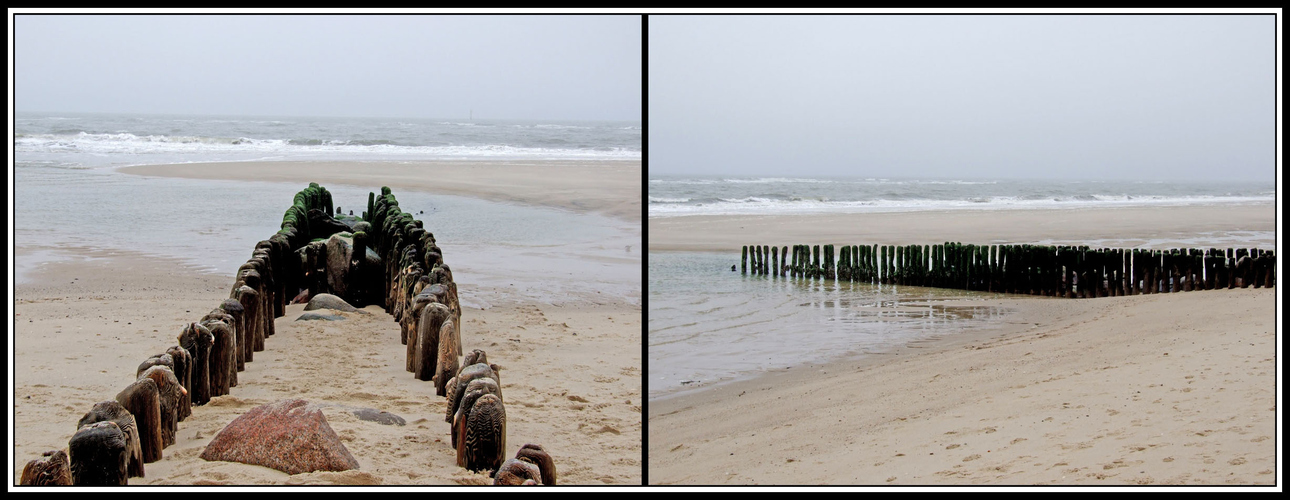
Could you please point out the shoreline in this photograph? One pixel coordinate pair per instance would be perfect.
(1144, 227)
(611, 188)
(1092, 392)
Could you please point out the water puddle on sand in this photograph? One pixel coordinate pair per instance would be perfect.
(708, 325)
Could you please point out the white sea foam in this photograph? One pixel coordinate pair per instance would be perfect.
(561, 127)
(656, 199)
(769, 206)
(127, 143)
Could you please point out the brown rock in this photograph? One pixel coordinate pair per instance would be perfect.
(289, 435)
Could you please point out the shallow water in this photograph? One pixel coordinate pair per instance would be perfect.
(541, 253)
(709, 325)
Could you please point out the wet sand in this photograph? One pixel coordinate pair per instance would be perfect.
(607, 187)
(1176, 389)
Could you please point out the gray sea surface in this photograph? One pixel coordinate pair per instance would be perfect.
(679, 196)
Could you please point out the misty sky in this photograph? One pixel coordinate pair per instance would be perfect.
(502, 67)
(1105, 97)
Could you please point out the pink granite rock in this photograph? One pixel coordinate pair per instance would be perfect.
(289, 435)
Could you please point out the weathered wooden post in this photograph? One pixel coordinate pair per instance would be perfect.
(798, 261)
(895, 269)
(1208, 268)
(783, 260)
(1270, 269)
(883, 273)
(844, 264)
(1189, 270)
(1059, 271)
(857, 271)
(1229, 264)
(1133, 272)
(936, 266)
(1099, 271)
(1166, 274)
(1157, 259)
(774, 261)
(1253, 268)
(743, 262)
(1068, 272)
(1121, 272)
(862, 265)
(761, 260)
(828, 262)
(1211, 277)
(1144, 259)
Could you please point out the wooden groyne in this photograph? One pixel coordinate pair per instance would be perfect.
(385, 257)
(1047, 270)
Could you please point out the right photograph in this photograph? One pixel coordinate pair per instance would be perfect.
(943, 250)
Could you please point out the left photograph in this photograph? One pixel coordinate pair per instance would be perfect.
(326, 250)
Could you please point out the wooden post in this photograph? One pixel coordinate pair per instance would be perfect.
(1068, 271)
(792, 269)
(1229, 263)
(783, 260)
(884, 273)
(743, 262)
(938, 266)
(763, 260)
(829, 267)
(1166, 274)
(1257, 270)
(774, 261)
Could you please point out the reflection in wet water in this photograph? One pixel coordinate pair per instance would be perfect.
(708, 325)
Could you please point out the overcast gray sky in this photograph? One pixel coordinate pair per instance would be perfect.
(1102, 97)
(514, 67)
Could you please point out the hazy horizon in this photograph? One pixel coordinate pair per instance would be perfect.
(501, 67)
(1133, 97)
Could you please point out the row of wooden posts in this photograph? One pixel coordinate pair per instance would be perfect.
(1061, 271)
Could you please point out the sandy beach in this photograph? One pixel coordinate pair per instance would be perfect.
(85, 319)
(1158, 227)
(1166, 389)
(606, 187)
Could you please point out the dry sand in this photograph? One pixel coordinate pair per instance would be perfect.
(1161, 227)
(571, 373)
(1167, 389)
(606, 187)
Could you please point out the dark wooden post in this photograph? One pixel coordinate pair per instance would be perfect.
(936, 265)
(884, 273)
(792, 269)
(743, 262)
(774, 261)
